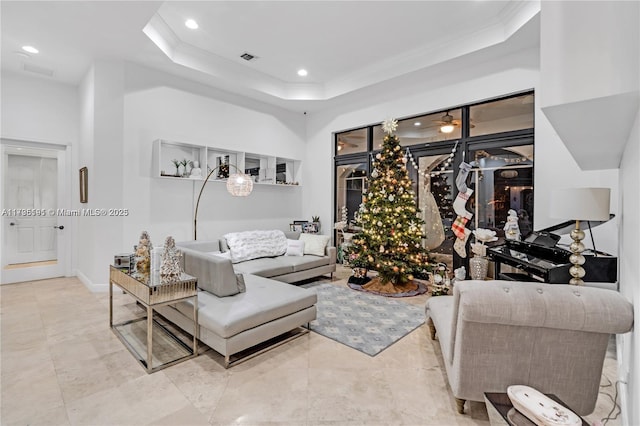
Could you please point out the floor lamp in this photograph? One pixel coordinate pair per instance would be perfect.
(238, 185)
(579, 204)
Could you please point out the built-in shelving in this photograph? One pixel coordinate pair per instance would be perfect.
(264, 169)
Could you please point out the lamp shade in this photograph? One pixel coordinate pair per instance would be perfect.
(580, 203)
(239, 185)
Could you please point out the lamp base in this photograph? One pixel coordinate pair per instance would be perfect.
(576, 258)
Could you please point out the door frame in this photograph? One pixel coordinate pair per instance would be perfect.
(64, 239)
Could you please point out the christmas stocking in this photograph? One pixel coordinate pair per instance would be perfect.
(461, 179)
(459, 225)
(460, 203)
(460, 245)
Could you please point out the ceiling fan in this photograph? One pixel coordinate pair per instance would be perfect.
(343, 144)
(448, 123)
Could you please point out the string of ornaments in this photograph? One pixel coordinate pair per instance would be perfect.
(434, 173)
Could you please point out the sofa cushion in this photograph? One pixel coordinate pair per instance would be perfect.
(267, 266)
(295, 248)
(315, 244)
(215, 274)
(255, 244)
(203, 246)
(265, 300)
(307, 262)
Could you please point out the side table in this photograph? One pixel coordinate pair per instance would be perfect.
(501, 411)
(151, 291)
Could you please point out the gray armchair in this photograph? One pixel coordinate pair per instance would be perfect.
(552, 337)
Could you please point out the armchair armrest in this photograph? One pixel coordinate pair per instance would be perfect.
(332, 253)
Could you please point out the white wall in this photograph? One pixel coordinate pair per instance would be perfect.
(165, 206)
(629, 344)
(101, 150)
(589, 50)
(38, 110)
(556, 168)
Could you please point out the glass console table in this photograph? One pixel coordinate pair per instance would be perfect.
(151, 291)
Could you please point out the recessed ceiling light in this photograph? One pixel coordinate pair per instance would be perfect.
(191, 24)
(30, 49)
(417, 123)
(302, 72)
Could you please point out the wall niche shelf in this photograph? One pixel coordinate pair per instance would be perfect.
(264, 169)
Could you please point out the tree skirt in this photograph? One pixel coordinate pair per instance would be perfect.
(413, 289)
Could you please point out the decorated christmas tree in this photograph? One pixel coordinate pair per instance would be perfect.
(391, 237)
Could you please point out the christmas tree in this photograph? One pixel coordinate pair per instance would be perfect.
(391, 237)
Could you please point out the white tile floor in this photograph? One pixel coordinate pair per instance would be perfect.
(61, 364)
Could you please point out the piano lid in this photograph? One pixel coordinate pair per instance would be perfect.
(566, 227)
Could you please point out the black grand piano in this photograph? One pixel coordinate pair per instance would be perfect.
(538, 258)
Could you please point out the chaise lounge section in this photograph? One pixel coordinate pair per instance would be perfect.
(244, 304)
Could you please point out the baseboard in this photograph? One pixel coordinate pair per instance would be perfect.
(94, 288)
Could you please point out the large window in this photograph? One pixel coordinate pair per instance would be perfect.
(351, 142)
(503, 181)
(504, 115)
(496, 137)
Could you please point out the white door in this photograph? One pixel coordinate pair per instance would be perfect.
(33, 234)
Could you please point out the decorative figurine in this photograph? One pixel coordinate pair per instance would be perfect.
(143, 253)
(170, 267)
(196, 171)
(511, 228)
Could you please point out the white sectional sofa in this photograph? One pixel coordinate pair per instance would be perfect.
(247, 303)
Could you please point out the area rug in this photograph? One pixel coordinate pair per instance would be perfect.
(363, 321)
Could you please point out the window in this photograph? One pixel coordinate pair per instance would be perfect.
(424, 129)
(504, 115)
(351, 142)
(351, 183)
(503, 181)
(502, 175)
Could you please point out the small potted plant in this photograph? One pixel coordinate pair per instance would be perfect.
(184, 163)
(316, 221)
(177, 163)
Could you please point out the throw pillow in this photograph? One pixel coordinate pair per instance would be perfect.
(314, 244)
(295, 248)
(255, 244)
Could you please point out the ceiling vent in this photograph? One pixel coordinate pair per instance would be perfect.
(248, 56)
(38, 70)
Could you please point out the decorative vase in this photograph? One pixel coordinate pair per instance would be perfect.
(478, 267)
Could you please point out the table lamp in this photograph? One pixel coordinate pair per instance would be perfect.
(579, 204)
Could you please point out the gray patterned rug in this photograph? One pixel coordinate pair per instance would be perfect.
(363, 321)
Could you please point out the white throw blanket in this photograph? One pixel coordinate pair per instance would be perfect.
(255, 244)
